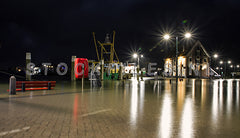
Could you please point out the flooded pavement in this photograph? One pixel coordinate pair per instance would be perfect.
(131, 108)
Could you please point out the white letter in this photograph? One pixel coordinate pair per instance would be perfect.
(46, 67)
(150, 67)
(65, 70)
(30, 68)
(76, 66)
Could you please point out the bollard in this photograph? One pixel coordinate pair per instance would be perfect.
(83, 75)
(49, 85)
(23, 87)
(12, 85)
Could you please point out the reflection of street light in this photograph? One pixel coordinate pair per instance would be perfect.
(167, 37)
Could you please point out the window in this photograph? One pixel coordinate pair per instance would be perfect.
(190, 59)
(205, 60)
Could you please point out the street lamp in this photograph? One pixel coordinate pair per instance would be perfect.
(167, 37)
(215, 55)
(225, 65)
(135, 55)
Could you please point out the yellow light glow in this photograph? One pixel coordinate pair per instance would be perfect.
(188, 35)
(135, 55)
(166, 36)
(204, 67)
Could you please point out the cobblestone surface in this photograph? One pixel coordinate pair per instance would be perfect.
(135, 109)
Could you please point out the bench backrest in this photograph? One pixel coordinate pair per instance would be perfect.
(29, 84)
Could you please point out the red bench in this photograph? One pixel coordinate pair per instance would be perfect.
(35, 85)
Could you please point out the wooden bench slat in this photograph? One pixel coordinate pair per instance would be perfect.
(35, 82)
(34, 85)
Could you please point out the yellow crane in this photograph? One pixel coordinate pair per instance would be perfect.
(107, 51)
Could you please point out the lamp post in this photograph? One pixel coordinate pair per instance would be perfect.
(213, 63)
(136, 55)
(225, 66)
(167, 37)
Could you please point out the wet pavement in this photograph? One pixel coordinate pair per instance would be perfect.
(150, 108)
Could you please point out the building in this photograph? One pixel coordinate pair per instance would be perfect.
(193, 61)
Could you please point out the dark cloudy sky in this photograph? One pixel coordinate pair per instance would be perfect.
(53, 30)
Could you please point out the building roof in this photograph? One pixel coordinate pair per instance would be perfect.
(198, 43)
(186, 50)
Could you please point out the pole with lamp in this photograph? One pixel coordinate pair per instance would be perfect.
(225, 66)
(136, 55)
(215, 56)
(167, 37)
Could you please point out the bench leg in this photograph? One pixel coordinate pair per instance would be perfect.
(23, 87)
(49, 85)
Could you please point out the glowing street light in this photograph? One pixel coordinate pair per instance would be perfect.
(187, 35)
(166, 36)
(215, 55)
(225, 62)
(135, 55)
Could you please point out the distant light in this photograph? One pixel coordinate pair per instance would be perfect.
(188, 35)
(237, 66)
(135, 55)
(217, 68)
(229, 62)
(166, 36)
(141, 56)
(215, 55)
(221, 68)
(231, 66)
(221, 62)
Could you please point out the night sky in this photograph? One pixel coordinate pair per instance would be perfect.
(54, 30)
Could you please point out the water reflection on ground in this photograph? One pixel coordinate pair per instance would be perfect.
(149, 108)
(196, 107)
